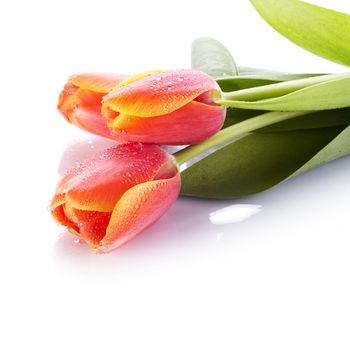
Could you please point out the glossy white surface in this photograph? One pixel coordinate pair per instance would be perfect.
(267, 271)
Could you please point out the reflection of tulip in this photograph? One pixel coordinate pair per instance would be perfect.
(110, 198)
(173, 107)
(80, 101)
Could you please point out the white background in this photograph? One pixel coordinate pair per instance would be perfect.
(276, 279)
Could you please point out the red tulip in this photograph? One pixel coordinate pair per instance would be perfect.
(80, 101)
(174, 108)
(112, 197)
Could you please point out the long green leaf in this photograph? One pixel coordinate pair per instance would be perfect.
(319, 30)
(212, 57)
(331, 94)
(234, 83)
(260, 161)
(319, 119)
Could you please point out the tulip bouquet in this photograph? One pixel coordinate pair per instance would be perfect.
(255, 128)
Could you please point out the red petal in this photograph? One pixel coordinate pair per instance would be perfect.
(83, 109)
(97, 82)
(91, 225)
(80, 101)
(139, 207)
(59, 214)
(98, 183)
(161, 93)
(190, 124)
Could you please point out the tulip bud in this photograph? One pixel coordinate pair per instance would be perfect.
(174, 108)
(80, 101)
(112, 197)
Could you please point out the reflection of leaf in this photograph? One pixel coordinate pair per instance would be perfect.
(333, 93)
(319, 30)
(212, 57)
(259, 161)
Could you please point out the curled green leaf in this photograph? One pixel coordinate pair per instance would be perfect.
(322, 31)
(212, 57)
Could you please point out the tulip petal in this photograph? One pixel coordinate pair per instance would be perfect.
(82, 108)
(90, 225)
(80, 101)
(98, 183)
(97, 82)
(160, 94)
(139, 207)
(190, 124)
(57, 212)
(136, 77)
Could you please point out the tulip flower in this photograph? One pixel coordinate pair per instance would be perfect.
(173, 107)
(80, 101)
(112, 197)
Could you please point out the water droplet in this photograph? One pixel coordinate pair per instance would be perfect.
(77, 240)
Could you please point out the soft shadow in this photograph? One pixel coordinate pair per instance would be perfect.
(186, 225)
(206, 224)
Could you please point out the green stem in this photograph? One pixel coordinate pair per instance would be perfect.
(274, 90)
(234, 131)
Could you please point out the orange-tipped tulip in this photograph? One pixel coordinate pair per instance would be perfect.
(112, 197)
(173, 107)
(80, 101)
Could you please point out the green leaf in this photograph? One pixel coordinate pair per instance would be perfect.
(234, 83)
(319, 119)
(244, 70)
(235, 115)
(212, 57)
(260, 161)
(332, 93)
(322, 31)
